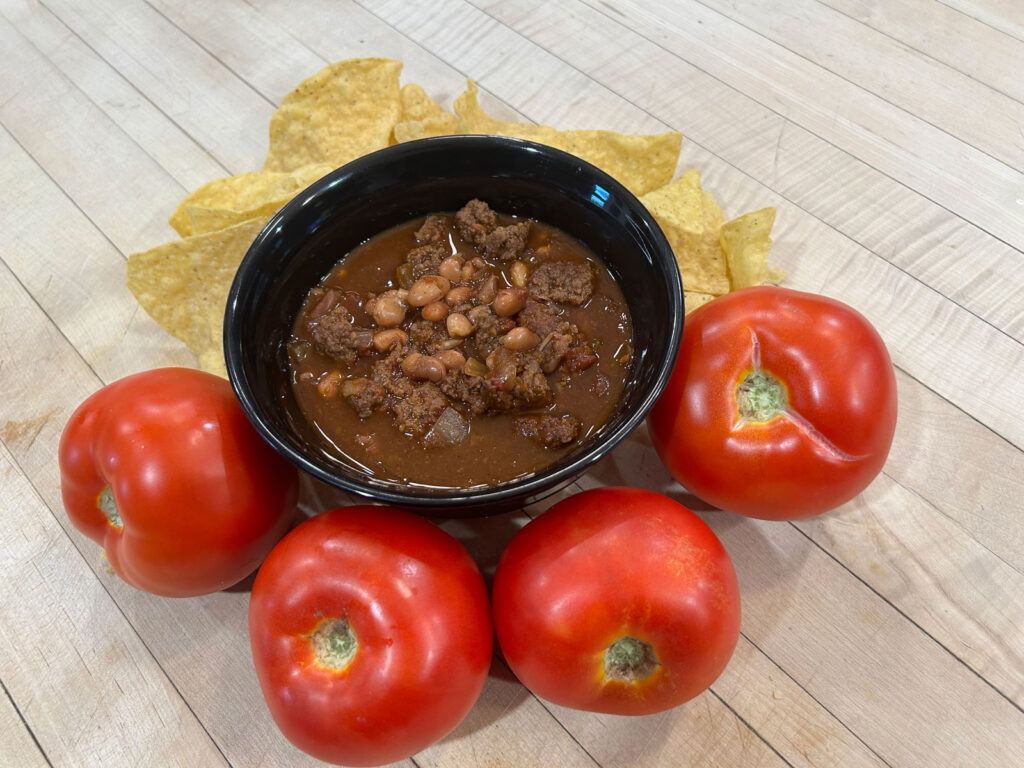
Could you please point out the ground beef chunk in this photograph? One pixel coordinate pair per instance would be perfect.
(549, 430)
(542, 319)
(475, 221)
(507, 243)
(569, 282)
(364, 395)
(557, 335)
(427, 336)
(465, 389)
(416, 414)
(477, 224)
(514, 380)
(336, 335)
(426, 260)
(434, 230)
(387, 372)
(488, 330)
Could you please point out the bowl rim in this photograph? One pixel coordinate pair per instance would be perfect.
(425, 498)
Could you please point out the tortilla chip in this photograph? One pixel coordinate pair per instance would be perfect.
(641, 162)
(184, 286)
(422, 116)
(746, 241)
(693, 299)
(234, 199)
(344, 111)
(692, 220)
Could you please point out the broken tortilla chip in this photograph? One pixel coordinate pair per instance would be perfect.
(641, 162)
(234, 199)
(692, 220)
(184, 285)
(422, 116)
(346, 110)
(746, 241)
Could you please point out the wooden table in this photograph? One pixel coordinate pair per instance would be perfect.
(888, 135)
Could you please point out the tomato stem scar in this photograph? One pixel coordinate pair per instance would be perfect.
(629, 659)
(761, 397)
(334, 643)
(107, 505)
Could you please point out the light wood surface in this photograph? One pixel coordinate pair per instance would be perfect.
(888, 133)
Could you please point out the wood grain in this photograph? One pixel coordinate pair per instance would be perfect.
(889, 632)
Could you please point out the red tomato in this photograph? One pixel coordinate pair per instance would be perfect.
(165, 472)
(371, 634)
(782, 404)
(616, 600)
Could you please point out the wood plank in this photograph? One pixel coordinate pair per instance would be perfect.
(17, 745)
(88, 301)
(929, 90)
(65, 634)
(210, 103)
(1004, 15)
(719, 122)
(957, 40)
(169, 145)
(81, 144)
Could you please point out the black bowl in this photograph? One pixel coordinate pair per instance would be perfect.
(304, 240)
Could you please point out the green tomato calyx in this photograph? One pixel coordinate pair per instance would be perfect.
(761, 397)
(629, 659)
(334, 643)
(107, 505)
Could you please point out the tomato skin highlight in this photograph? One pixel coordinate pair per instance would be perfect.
(201, 497)
(418, 607)
(610, 563)
(840, 383)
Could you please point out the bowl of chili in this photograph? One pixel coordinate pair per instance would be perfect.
(390, 321)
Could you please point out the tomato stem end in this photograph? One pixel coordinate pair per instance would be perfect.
(106, 504)
(629, 659)
(761, 397)
(334, 643)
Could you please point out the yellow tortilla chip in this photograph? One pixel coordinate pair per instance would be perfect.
(422, 116)
(234, 199)
(746, 241)
(641, 162)
(184, 286)
(344, 111)
(693, 299)
(692, 220)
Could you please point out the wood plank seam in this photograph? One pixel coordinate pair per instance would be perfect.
(590, 4)
(28, 728)
(921, 52)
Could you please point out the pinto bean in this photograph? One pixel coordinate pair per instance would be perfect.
(452, 359)
(329, 384)
(460, 295)
(388, 312)
(451, 269)
(423, 367)
(520, 339)
(427, 289)
(508, 301)
(435, 311)
(459, 325)
(385, 340)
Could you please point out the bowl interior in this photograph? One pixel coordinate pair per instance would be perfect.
(303, 241)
